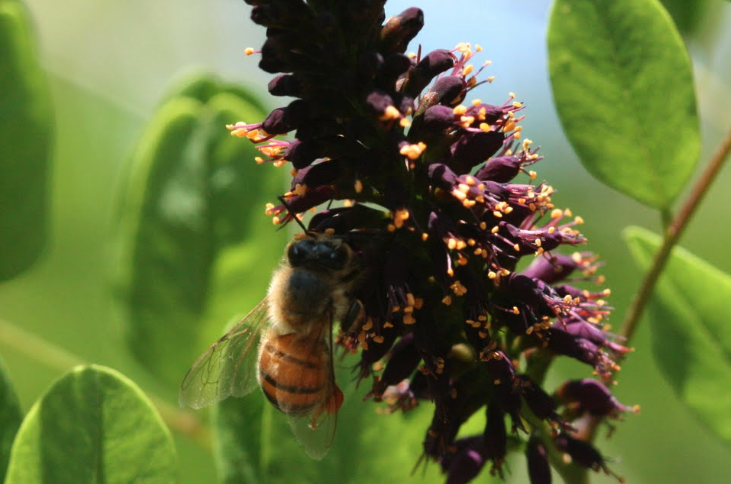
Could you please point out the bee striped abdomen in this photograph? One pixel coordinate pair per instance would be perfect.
(293, 377)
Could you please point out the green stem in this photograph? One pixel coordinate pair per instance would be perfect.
(672, 235)
(57, 358)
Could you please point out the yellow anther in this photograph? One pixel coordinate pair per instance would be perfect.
(484, 127)
(538, 242)
(557, 213)
(516, 104)
(275, 220)
(476, 102)
(516, 310)
(358, 186)
(378, 338)
(532, 174)
(579, 220)
(300, 189)
(249, 51)
(511, 95)
(460, 110)
(447, 300)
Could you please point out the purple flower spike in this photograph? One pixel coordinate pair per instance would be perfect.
(468, 275)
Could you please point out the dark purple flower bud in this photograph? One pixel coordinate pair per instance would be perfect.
(378, 101)
(540, 402)
(438, 118)
(313, 176)
(500, 169)
(313, 198)
(502, 372)
(567, 344)
(465, 466)
(474, 148)
(303, 153)
(442, 176)
(400, 29)
(495, 437)
(429, 67)
(285, 85)
(552, 270)
(539, 471)
(276, 122)
(582, 453)
(450, 90)
(402, 363)
(484, 113)
(272, 59)
(527, 291)
(591, 396)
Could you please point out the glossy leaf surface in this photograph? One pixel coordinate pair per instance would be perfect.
(622, 84)
(92, 426)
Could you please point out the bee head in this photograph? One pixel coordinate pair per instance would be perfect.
(328, 253)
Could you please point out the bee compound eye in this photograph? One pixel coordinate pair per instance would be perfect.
(335, 258)
(295, 254)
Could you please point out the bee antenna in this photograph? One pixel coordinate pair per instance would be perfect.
(293, 214)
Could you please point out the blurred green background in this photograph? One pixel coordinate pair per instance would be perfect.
(109, 64)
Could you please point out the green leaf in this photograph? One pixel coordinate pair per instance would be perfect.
(255, 443)
(26, 142)
(10, 417)
(93, 426)
(688, 316)
(195, 246)
(623, 87)
(687, 14)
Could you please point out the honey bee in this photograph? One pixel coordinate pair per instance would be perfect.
(285, 343)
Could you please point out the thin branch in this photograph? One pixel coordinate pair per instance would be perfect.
(672, 234)
(53, 356)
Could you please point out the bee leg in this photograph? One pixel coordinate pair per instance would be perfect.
(355, 314)
(335, 401)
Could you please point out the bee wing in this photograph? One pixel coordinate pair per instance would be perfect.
(315, 431)
(315, 435)
(228, 367)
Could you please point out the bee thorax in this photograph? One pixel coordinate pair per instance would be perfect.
(302, 298)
